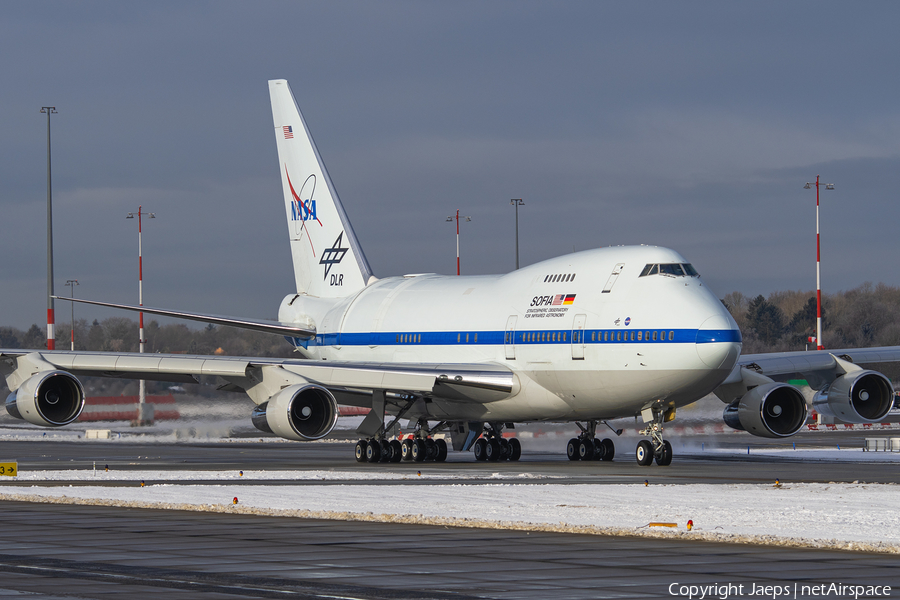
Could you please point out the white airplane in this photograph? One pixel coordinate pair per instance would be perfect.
(587, 337)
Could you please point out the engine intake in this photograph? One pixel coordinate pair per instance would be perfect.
(771, 410)
(302, 412)
(857, 397)
(49, 399)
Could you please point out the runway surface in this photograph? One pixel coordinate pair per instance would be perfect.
(691, 464)
(58, 551)
(65, 551)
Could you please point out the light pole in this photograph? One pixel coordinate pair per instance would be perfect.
(828, 186)
(450, 219)
(51, 321)
(517, 202)
(72, 283)
(142, 415)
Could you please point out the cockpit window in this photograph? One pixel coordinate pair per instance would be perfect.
(672, 269)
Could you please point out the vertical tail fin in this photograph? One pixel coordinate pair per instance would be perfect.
(328, 260)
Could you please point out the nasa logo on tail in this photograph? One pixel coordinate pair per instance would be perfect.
(334, 256)
(303, 210)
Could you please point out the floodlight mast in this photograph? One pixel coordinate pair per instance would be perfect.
(517, 202)
(51, 320)
(828, 186)
(142, 393)
(450, 219)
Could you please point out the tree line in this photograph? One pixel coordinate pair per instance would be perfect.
(868, 315)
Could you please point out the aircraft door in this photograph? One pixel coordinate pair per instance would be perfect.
(509, 339)
(613, 277)
(578, 337)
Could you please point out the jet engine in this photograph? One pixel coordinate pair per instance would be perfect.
(856, 397)
(49, 399)
(301, 412)
(771, 410)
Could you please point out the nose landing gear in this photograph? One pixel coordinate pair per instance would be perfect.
(656, 447)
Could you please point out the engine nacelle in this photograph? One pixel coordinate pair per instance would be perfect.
(857, 397)
(301, 412)
(50, 399)
(771, 410)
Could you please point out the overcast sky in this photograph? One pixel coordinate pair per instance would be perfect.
(692, 125)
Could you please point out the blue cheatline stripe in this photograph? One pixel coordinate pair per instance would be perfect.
(526, 338)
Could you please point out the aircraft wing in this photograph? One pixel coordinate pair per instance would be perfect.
(853, 385)
(459, 382)
(276, 327)
(818, 365)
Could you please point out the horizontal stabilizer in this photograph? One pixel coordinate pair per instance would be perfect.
(276, 327)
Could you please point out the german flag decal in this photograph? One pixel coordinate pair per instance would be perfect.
(570, 298)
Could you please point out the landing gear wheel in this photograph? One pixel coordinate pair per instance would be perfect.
(385, 451)
(419, 450)
(430, 449)
(664, 458)
(610, 449)
(441, 446)
(480, 449)
(586, 449)
(644, 453)
(599, 449)
(572, 449)
(493, 451)
(373, 451)
(361, 450)
(515, 449)
(396, 451)
(504, 449)
(406, 449)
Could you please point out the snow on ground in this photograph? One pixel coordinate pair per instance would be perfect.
(849, 516)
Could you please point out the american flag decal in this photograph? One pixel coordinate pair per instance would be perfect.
(288, 132)
(558, 299)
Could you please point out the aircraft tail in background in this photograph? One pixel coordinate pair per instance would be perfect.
(328, 260)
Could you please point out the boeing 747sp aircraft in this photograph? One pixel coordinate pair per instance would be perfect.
(585, 338)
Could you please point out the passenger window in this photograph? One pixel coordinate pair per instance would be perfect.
(397, 341)
(467, 338)
(476, 338)
(671, 335)
(619, 336)
(573, 277)
(654, 336)
(640, 336)
(632, 336)
(565, 336)
(605, 336)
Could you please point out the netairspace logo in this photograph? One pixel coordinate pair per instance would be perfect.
(754, 590)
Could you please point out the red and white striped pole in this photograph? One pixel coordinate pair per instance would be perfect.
(51, 319)
(829, 186)
(457, 236)
(142, 383)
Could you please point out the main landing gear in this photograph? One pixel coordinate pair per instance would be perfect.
(656, 447)
(492, 446)
(587, 447)
(418, 448)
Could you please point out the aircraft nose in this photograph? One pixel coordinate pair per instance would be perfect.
(719, 342)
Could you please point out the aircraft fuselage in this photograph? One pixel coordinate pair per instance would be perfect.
(587, 335)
